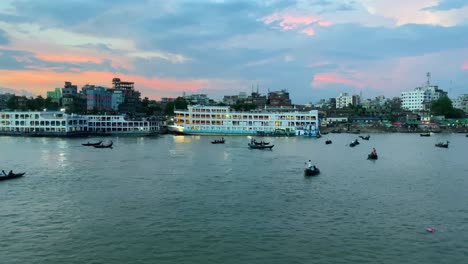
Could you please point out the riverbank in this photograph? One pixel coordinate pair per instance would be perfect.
(373, 129)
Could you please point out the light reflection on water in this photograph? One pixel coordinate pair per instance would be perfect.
(181, 199)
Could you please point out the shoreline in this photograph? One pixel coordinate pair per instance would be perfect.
(382, 130)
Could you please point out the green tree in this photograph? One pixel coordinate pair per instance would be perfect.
(179, 104)
(244, 106)
(12, 103)
(443, 107)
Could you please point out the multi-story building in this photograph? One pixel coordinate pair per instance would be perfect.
(344, 100)
(279, 98)
(461, 103)
(117, 99)
(55, 95)
(230, 99)
(197, 99)
(420, 97)
(97, 97)
(69, 89)
(131, 100)
(73, 101)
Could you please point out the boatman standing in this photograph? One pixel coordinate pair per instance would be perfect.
(309, 164)
(374, 152)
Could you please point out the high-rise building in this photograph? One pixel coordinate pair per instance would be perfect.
(421, 97)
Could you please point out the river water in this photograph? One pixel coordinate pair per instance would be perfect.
(180, 199)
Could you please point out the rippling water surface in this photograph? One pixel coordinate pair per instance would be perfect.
(183, 200)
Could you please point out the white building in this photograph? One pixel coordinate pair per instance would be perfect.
(343, 100)
(416, 99)
(461, 103)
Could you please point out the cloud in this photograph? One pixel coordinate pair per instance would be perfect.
(465, 66)
(222, 45)
(322, 79)
(3, 37)
(291, 21)
(444, 5)
(15, 92)
(39, 81)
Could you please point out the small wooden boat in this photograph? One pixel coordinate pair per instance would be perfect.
(311, 172)
(324, 133)
(105, 146)
(218, 141)
(372, 156)
(354, 143)
(328, 142)
(92, 144)
(253, 146)
(365, 138)
(261, 143)
(425, 134)
(12, 176)
(442, 145)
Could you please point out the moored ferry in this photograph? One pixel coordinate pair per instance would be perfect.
(119, 125)
(42, 123)
(57, 123)
(199, 119)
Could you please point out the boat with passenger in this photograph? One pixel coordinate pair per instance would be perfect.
(10, 175)
(354, 143)
(442, 145)
(218, 141)
(311, 171)
(92, 144)
(105, 146)
(254, 146)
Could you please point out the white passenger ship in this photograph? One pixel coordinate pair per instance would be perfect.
(118, 125)
(222, 120)
(57, 123)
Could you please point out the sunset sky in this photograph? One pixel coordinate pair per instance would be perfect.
(313, 48)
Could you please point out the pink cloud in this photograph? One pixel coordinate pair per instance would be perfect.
(324, 23)
(322, 79)
(39, 81)
(465, 66)
(73, 58)
(301, 23)
(308, 31)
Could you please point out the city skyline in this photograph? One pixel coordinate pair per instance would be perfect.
(314, 49)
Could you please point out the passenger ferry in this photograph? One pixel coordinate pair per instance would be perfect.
(119, 125)
(42, 123)
(58, 123)
(222, 120)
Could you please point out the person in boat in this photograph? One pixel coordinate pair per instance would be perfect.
(10, 173)
(4, 173)
(309, 164)
(315, 168)
(374, 152)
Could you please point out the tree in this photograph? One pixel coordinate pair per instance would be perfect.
(179, 104)
(12, 103)
(443, 107)
(244, 106)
